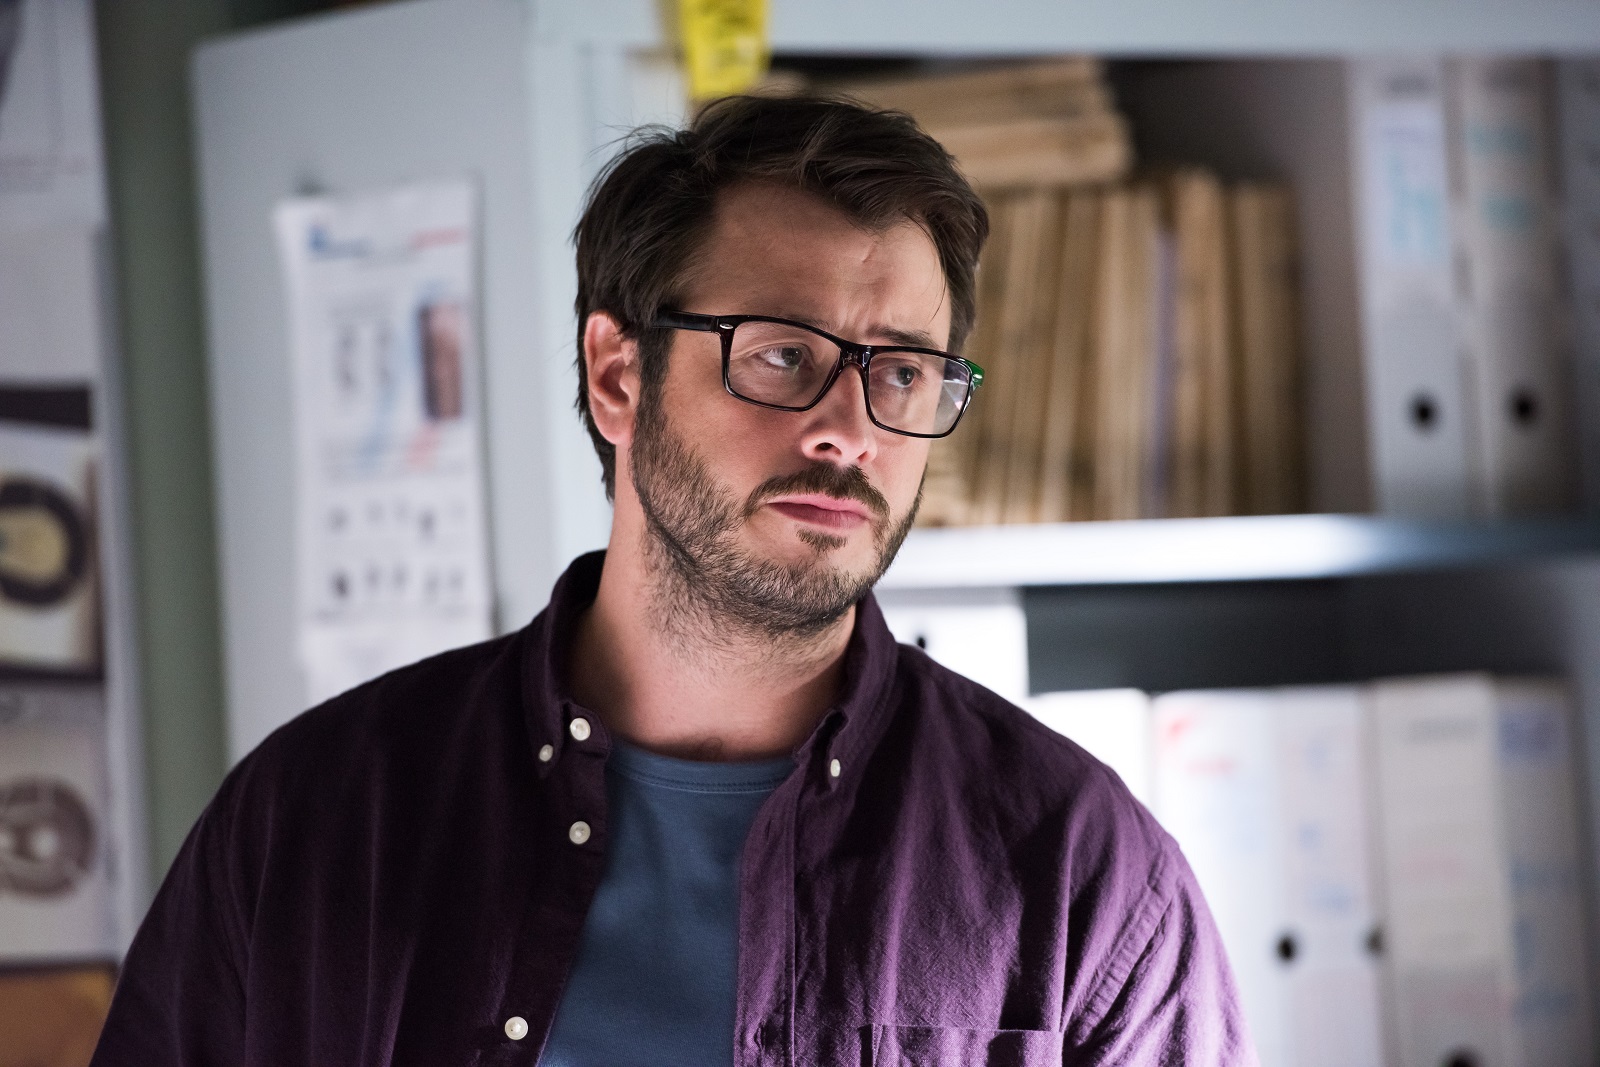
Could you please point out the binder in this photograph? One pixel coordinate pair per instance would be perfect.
(1023, 126)
(1045, 150)
(1113, 725)
(1552, 1015)
(1065, 479)
(1482, 881)
(1505, 221)
(1446, 897)
(1265, 790)
(1035, 333)
(1031, 219)
(1124, 325)
(980, 633)
(1066, 87)
(1578, 137)
(1416, 405)
(49, 585)
(983, 427)
(1329, 904)
(1201, 454)
(1265, 319)
(55, 882)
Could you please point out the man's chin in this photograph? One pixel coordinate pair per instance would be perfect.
(804, 546)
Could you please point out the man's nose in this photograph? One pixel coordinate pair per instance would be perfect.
(840, 430)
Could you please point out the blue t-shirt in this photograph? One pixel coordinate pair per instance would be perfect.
(654, 984)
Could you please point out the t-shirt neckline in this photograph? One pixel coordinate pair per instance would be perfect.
(697, 776)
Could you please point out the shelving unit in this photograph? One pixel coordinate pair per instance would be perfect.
(377, 101)
(1251, 88)
(1240, 549)
(402, 92)
(69, 687)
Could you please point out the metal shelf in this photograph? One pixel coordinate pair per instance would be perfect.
(1254, 548)
(1115, 27)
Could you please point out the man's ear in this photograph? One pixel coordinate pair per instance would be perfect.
(611, 361)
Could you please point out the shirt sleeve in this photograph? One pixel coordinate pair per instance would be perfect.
(179, 1000)
(1179, 1004)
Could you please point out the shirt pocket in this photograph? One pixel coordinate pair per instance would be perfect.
(946, 1046)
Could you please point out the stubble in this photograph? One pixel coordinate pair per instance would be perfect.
(705, 584)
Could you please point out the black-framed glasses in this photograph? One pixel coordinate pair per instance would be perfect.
(777, 363)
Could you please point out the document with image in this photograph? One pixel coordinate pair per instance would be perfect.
(392, 560)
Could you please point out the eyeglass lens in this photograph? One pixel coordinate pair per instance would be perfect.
(914, 392)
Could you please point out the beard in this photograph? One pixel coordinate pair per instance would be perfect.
(691, 539)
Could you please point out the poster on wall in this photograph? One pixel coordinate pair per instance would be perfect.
(50, 157)
(391, 547)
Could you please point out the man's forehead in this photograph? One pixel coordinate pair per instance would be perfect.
(800, 257)
(759, 210)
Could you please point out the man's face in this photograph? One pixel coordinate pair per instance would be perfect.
(784, 519)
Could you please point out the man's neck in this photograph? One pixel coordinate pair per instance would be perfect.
(666, 676)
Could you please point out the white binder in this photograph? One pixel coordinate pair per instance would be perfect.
(1505, 221)
(1578, 138)
(1446, 897)
(1112, 724)
(1416, 407)
(1265, 792)
(1482, 883)
(1323, 755)
(1552, 1015)
(981, 633)
(55, 859)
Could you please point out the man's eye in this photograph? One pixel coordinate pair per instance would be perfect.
(903, 375)
(787, 357)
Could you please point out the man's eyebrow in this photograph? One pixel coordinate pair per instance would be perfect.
(895, 336)
(909, 338)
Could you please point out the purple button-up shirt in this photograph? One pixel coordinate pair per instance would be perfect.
(394, 875)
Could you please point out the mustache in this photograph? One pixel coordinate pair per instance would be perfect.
(846, 483)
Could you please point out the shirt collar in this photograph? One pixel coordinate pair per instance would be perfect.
(848, 729)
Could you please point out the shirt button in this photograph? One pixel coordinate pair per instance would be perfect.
(545, 752)
(834, 768)
(580, 729)
(578, 832)
(516, 1028)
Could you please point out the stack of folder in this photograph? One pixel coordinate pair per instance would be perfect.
(1397, 869)
(1139, 333)
(1461, 166)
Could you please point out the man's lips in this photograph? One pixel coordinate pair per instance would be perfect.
(819, 509)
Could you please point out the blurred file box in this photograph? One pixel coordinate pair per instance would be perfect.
(1484, 906)
(1265, 792)
(1113, 725)
(1416, 403)
(980, 633)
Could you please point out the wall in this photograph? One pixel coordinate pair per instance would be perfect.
(144, 61)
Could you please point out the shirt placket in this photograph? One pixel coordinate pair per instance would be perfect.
(571, 834)
(765, 1020)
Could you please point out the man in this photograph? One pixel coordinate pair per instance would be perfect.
(704, 809)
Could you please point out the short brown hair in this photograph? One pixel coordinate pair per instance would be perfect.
(649, 208)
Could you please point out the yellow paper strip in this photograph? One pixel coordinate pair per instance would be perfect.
(725, 49)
